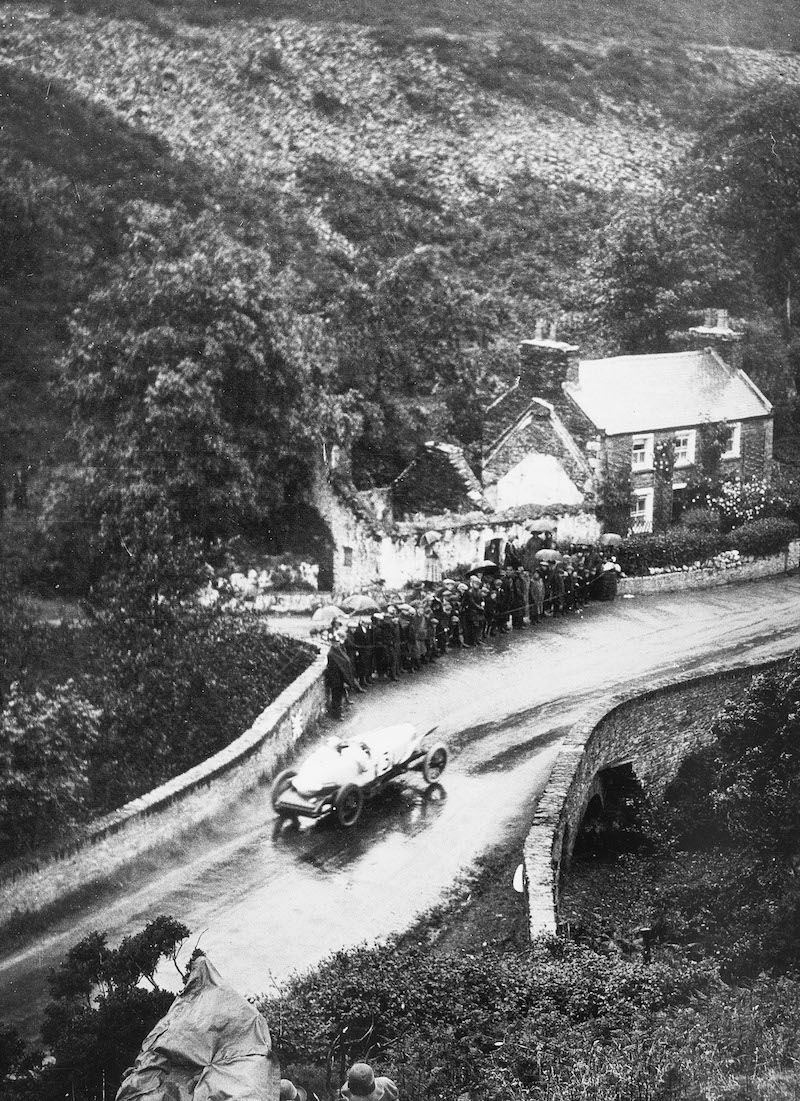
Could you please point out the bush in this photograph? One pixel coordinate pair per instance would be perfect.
(46, 743)
(688, 546)
(442, 1024)
(763, 537)
(700, 519)
(678, 547)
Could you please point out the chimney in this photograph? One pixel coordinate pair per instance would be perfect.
(716, 333)
(547, 364)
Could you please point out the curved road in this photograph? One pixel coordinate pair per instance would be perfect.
(264, 906)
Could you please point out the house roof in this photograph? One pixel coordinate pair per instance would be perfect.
(439, 479)
(536, 428)
(673, 390)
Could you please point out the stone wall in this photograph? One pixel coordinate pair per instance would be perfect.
(163, 815)
(751, 569)
(653, 729)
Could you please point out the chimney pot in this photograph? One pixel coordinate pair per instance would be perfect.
(553, 330)
(709, 319)
(539, 330)
(722, 319)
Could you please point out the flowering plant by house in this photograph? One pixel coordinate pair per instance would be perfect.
(742, 501)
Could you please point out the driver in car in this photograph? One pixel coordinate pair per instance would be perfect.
(358, 754)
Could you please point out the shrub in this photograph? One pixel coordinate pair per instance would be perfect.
(687, 546)
(675, 548)
(45, 747)
(700, 519)
(763, 537)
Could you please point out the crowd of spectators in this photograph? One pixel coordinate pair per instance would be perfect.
(447, 613)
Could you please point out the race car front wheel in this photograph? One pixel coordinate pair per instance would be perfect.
(435, 763)
(349, 804)
(281, 783)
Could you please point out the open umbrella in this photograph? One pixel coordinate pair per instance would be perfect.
(486, 566)
(324, 617)
(361, 604)
(610, 539)
(547, 556)
(544, 523)
(431, 537)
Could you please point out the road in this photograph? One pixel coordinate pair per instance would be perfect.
(264, 906)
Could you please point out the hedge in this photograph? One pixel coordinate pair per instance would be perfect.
(680, 547)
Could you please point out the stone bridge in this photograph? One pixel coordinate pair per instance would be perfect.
(650, 730)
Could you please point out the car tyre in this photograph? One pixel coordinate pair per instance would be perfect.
(434, 763)
(281, 783)
(349, 804)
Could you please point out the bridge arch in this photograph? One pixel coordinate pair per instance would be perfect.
(647, 731)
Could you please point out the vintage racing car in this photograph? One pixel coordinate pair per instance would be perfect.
(336, 778)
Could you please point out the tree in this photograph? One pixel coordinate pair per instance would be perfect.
(758, 786)
(99, 1015)
(746, 170)
(184, 404)
(45, 743)
(658, 261)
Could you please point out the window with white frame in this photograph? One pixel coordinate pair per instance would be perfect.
(642, 510)
(684, 447)
(642, 452)
(732, 447)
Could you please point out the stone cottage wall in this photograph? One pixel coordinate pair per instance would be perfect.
(357, 543)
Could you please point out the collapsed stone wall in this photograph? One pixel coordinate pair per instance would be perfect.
(653, 729)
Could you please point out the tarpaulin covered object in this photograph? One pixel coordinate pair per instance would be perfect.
(212, 1045)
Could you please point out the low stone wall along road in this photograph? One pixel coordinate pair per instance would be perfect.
(263, 906)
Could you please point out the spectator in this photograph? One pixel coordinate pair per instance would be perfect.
(338, 672)
(362, 1085)
(291, 1092)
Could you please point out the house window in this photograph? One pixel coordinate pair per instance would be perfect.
(348, 556)
(642, 452)
(684, 447)
(732, 448)
(642, 511)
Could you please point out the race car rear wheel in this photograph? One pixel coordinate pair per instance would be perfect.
(281, 783)
(435, 763)
(349, 804)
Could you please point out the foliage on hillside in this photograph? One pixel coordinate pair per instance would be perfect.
(380, 212)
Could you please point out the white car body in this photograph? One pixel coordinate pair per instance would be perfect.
(337, 777)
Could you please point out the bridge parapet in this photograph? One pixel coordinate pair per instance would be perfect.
(653, 727)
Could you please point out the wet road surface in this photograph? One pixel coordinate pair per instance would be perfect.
(263, 906)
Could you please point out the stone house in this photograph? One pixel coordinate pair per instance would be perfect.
(624, 435)
(647, 424)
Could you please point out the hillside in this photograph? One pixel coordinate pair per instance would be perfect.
(341, 146)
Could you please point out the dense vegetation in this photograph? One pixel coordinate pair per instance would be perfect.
(285, 235)
(98, 713)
